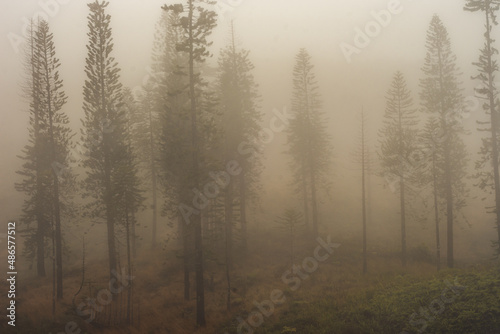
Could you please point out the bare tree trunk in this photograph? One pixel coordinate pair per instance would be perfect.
(53, 274)
(403, 219)
(291, 248)
(40, 245)
(449, 212)
(186, 255)
(129, 264)
(363, 193)
(110, 221)
(314, 204)
(402, 187)
(243, 213)
(306, 202)
(58, 239)
(133, 238)
(153, 180)
(436, 212)
(228, 204)
(229, 233)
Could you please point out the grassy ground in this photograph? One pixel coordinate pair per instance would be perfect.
(335, 297)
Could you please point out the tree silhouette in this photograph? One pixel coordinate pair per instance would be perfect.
(197, 24)
(488, 68)
(398, 140)
(104, 127)
(441, 97)
(308, 142)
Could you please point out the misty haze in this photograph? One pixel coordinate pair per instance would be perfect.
(250, 166)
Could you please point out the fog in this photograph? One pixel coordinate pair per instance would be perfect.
(273, 31)
(351, 77)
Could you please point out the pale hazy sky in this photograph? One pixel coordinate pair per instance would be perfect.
(273, 30)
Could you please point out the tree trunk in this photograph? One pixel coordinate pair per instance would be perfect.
(53, 273)
(108, 191)
(493, 118)
(133, 238)
(447, 171)
(55, 195)
(110, 218)
(57, 212)
(403, 220)
(198, 241)
(228, 249)
(228, 210)
(40, 246)
(243, 213)
(153, 180)
(306, 202)
(436, 213)
(58, 240)
(186, 255)
(449, 214)
(363, 194)
(41, 221)
(402, 186)
(291, 246)
(314, 204)
(129, 264)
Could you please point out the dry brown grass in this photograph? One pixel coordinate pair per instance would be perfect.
(158, 284)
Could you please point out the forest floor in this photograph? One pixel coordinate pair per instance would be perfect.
(327, 296)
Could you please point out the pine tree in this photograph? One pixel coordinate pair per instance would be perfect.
(398, 139)
(488, 68)
(365, 163)
(169, 96)
(197, 24)
(36, 208)
(103, 136)
(152, 101)
(146, 136)
(51, 143)
(128, 188)
(308, 142)
(59, 133)
(429, 173)
(241, 117)
(441, 96)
